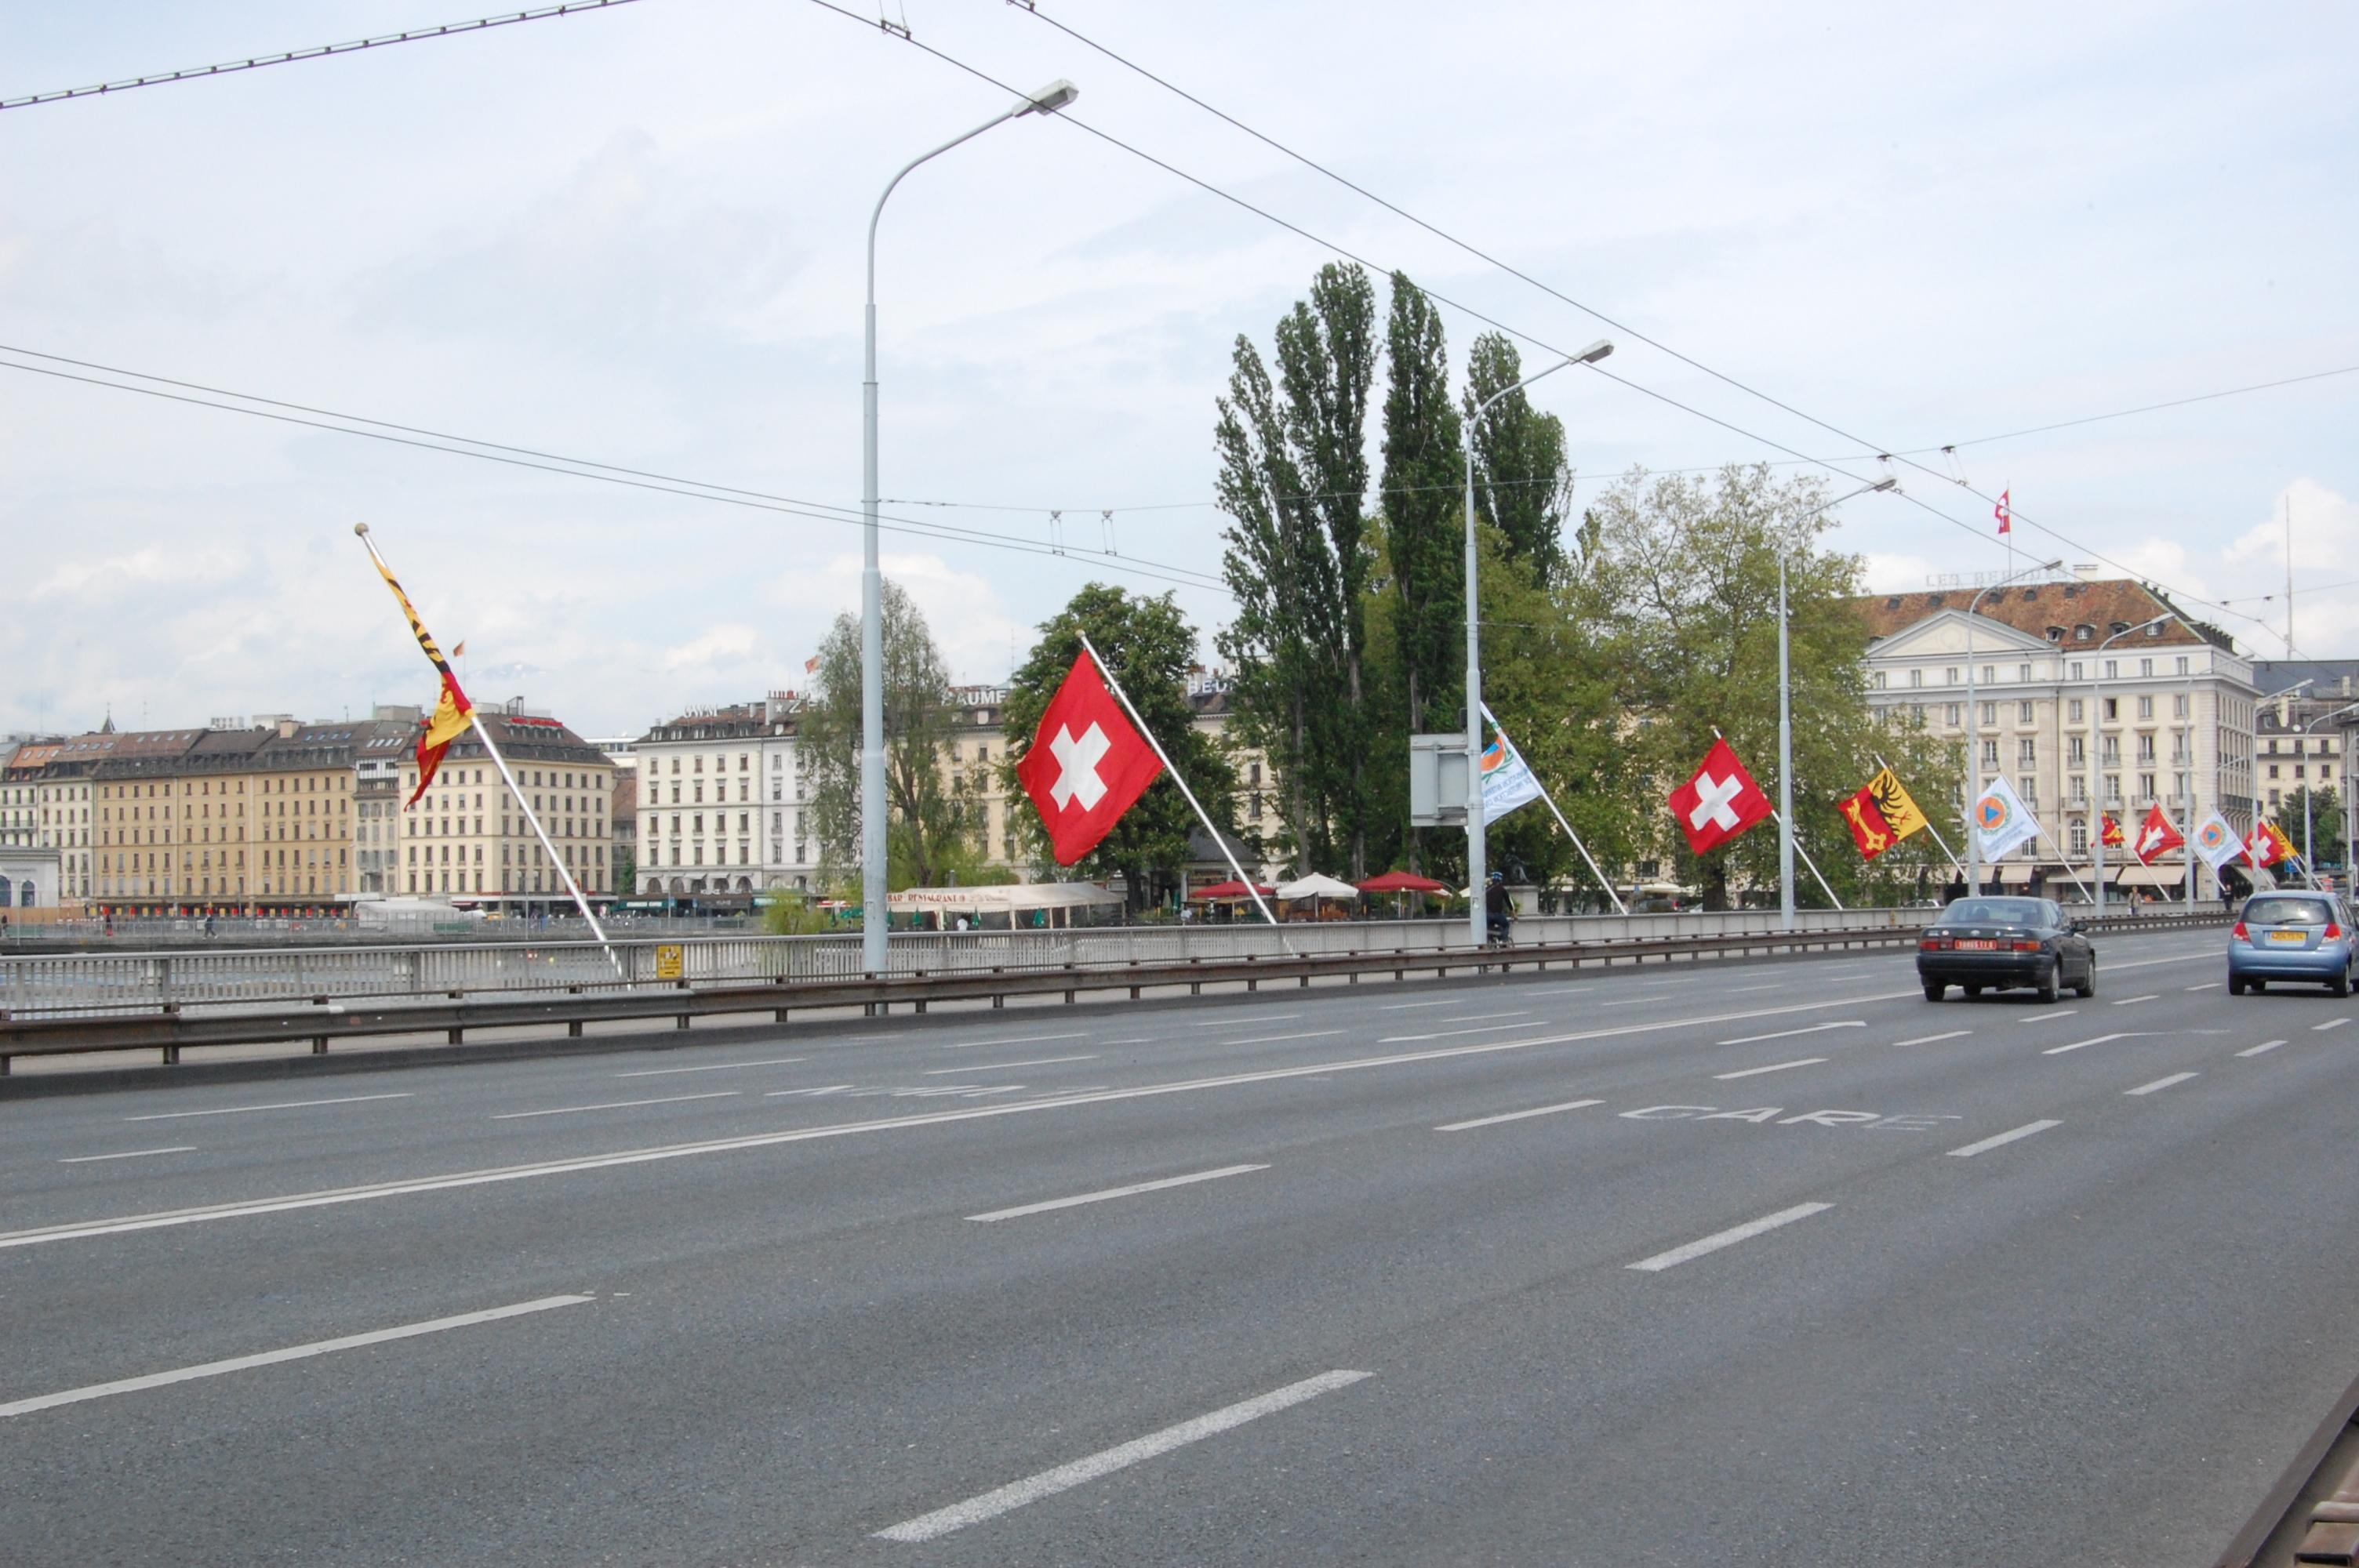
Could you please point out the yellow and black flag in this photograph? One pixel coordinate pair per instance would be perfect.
(452, 712)
(1894, 805)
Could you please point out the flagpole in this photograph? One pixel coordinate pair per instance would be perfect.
(1619, 907)
(1935, 832)
(1218, 837)
(491, 749)
(1797, 842)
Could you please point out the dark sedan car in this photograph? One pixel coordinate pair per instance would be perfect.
(2003, 943)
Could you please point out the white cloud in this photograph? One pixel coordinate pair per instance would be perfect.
(108, 578)
(2324, 528)
(729, 643)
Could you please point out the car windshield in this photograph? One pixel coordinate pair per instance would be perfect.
(1995, 912)
(2286, 911)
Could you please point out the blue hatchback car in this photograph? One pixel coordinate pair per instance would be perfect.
(2292, 934)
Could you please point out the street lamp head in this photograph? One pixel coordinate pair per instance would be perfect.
(1592, 355)
(1051, 98)
(1887, 482)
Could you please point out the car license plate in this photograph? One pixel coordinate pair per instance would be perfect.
(1976, 945)
(2296, 938)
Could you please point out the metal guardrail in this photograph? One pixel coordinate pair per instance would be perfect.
(171, 1029)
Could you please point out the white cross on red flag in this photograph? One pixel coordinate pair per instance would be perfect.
(1087, 765)
(2155, 838)
(1720, 802)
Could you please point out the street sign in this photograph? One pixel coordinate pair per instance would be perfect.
(668, 962)
(1438, 780)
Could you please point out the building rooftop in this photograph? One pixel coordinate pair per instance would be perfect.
(2069, 614)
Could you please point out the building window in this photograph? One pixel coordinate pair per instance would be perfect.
(2076, 711)
(2023, 713)
(1953, 674)
(2026, 752)
(1916, 677)
(2080, 836)
(2023, 673)
(2146, 666)
(1990, 712)
(2145, 707)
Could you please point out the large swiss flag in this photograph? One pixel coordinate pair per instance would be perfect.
(1087, 765)
(2156, 836)
(1720, 802)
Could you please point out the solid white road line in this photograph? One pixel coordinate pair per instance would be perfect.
(293, 1353)
(714, 1068)
(2092, 1040)
(2059, 1016)
(1448, 1034)
(282, 1105)
(2331, 1023)
(1064, 1478)
(1775, 1067)
(2025, 1130)
(1255, 1021)
(79, 1230)
(1025, 1039)
(2265, 1046)
(1132, 1190)
(2207, 985)
(1003, 1066)
(1729, 1238)
(612, 1105)
(1788, 1034)
(130, 1154)
(1516, 1115)
(2160, 1083)
(2126, 1001)
(1929, 1039)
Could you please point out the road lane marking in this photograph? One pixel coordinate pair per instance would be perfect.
(1729, 1238)
(282, 1105)
(2265, 1046)
(2207, 985)
(2059, 1016)
(1064, 1478)
(1255, 1021)
(1787, 1033)
(1741, 990)
(612, 1105)
(130, 1154)
(1404, 1006)
(1516, 1115)
(1448, 1034)
(1778, 1067)
(1274, 1039)
(79, 1230)
(2331, 1023)
(1019, 1039)
(2025, 1130)
(1003, 1066)
(1929, 1039)
(2126, 1001)
(1111, 1193)
(1562, 991)
(714, 1068)
(2161, 1084)
(2092, 1040)
(293, 1353)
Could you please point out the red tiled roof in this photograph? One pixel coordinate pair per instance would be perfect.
(2106, 607)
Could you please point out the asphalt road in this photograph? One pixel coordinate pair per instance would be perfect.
(1766, 1262)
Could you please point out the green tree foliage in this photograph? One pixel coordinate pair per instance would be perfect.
(1424, 475)
(1150, 648)
(1523, 486)
(2325, 823)
(929, 815)
(1294, 478)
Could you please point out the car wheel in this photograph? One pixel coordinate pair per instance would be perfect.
(2235, 987)
(1935, 991)
(2256, 987)
(2341, 985)
(2088, 985)
(2048, 989)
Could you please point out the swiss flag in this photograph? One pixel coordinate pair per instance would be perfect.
(1088, 763)
(1719, 803)
(2266, 845)
(2155, 836)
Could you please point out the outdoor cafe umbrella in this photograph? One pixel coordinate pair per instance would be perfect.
(1398, 883)
(1218, 893)
(1315, 886)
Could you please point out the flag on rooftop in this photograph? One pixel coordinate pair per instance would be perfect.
(2004, 512)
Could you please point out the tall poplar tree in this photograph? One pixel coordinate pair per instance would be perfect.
(1424, 527)
(1522, 484)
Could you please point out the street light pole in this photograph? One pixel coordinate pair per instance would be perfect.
(1974, 728)
(1786, 728)
(2309, 788)
(2096, 761)
(1477, 890)
(875, 918)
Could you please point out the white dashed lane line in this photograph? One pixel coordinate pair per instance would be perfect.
(1112, 1193)
(2025, 1130)
(129, 1154)
(613, 1105)
(1774, 1067)
(2092, 1040)
(2262, 1049)
(1929, 1039)
(2331, 1023)
(281, 1105)
(713, 1067)
(1515, 1115)
(2161, 1084)
(2126, 1001)
(1004, 1066)
(1729, 1238)
(2207, 985)
(2052, 1017)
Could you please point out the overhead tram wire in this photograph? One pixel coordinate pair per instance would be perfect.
(606, 473)
(319, 51)
(1031, 8)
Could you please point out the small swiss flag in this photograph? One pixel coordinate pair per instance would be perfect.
(1720, 802)
(2156, 836)
(1087, 765)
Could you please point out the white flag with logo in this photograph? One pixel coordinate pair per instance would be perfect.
(1507, 779)
(2001, 821)
(2217, 842)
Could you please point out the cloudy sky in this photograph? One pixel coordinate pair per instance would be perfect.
(635, 238)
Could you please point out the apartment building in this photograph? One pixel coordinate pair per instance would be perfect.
(2091, 694)
(466, 840)
(722, 803)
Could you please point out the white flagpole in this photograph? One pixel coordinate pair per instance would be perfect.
(491, 749)
(1218, 837)
(1798, 843)
(1619, 907)
(1935, 832)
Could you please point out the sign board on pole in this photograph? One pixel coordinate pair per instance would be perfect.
(1438, 780)
(668, 964)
